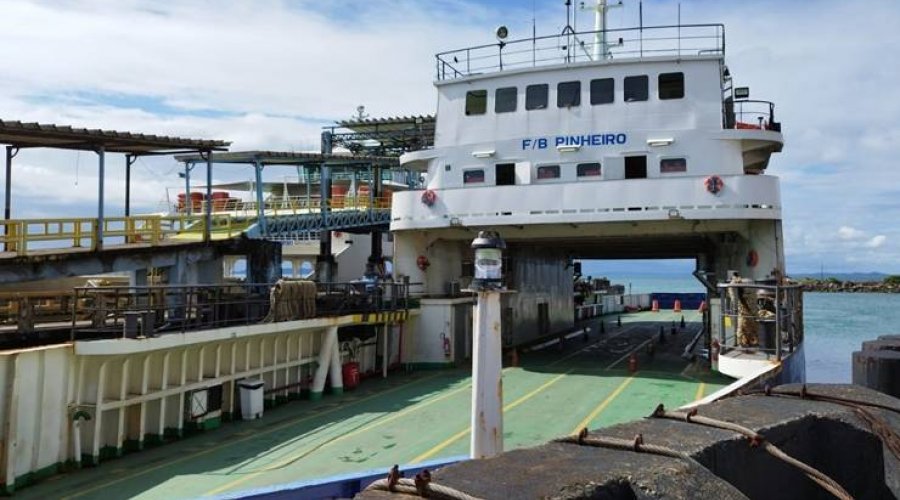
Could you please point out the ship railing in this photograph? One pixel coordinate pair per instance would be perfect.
(571, 47)
(753, 115)
(296, 205)
(761, 318)
(146, 311)
(23, 236)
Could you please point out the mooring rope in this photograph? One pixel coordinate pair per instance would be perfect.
(756, 439)
(291, 300)
(421, 486)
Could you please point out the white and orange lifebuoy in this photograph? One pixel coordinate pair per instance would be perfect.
(714, 184)
(429, 197)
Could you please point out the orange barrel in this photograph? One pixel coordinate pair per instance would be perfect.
(196, 201)
(181, 202)
(655, 306)
(219, 200)
(338, 193)
(677, 306)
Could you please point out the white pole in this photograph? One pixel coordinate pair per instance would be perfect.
(329, 339)
(487, 386)
(600, 28)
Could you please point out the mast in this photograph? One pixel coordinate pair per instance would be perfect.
(601, 47)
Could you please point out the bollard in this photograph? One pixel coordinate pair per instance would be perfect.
(682, 320)
(619, 322)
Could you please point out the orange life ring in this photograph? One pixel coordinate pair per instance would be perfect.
(422, 262)
(752, 258)
(429, 197)
(714, 184)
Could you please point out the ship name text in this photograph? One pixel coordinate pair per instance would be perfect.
(587, 140)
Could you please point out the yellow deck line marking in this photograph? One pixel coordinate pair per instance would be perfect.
(602, 406)
(416, 407)
(700, 390)
(255, 435)
(592, 344)
(452, 439)
(629, 353)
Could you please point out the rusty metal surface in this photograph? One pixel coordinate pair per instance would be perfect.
(828, 436)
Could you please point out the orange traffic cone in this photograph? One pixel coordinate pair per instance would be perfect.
(677, 307)
(655, 306)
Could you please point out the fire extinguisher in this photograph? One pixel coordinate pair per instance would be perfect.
(714, 354)
(446, 341)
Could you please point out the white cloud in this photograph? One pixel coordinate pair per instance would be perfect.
(277, 71)
(876, 241)
(850, 233)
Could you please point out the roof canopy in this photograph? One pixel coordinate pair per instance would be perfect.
(293, 158)
(391, 136)
(36, 135)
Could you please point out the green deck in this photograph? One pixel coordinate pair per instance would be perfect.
(409, 418)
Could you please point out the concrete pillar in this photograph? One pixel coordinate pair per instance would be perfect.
(329, 343)
(487, 385)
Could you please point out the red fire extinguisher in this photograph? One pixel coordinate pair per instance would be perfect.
(714, 354)
(446, 342)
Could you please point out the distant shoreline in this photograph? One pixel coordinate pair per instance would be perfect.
(832, 285)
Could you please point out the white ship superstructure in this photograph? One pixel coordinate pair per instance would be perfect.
(571, 147)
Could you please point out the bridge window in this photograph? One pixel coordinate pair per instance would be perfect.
(671, 85)
(636, 88)
(672, 165)
(568, 94)
(536, 96)
(473, 176)
(505, 99)
(588, 170)
(548, 172)
(602, 91)
(476, 102)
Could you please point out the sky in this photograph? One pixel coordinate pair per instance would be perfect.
(268, 74)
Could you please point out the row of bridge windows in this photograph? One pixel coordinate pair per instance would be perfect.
(568, 94)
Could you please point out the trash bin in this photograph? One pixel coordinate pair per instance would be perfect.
(251, 398)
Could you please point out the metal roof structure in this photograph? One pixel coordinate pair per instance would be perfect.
(36, 135)
(391, 136)
(293, 158)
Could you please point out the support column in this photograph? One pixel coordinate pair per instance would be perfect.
(260, 208)
(129, 161)
(207, 229)
(335, 369)
(325, 260)
(188, 204)
(101, 166)
(7, 209)
(385, 354)
(487, 386)
(329, 343)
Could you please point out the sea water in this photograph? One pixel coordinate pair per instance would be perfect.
(835, 324)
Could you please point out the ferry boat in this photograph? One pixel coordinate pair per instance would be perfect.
(613, 143)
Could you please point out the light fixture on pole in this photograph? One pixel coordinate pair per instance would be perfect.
(487, 396)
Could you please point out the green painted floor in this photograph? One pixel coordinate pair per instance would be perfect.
(410, 418)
